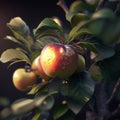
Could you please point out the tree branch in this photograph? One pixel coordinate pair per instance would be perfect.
(117, 11)
(63, 5)
(100, 4)
(114, 91)
(101, 96)
(114, 113)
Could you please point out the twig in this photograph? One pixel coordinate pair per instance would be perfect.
(117, 11)
(114, 113)
(63, 5)
(100, 4)
(114, 91)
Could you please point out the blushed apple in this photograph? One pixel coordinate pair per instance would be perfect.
(59, 60)
(36, 66)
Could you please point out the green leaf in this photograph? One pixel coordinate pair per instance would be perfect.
(22, 105)
(34, 55)
(104, 14)
(38, 87)
(47, 104)
(4, 101)
(35, 89)
(18, 25)
(81, 6)
(5, 113)
(104, 51)
(77, 18)
(89, 46)
(40, 98)
(79, 89)
(95, 72)
(67, 116)
(37, 115)
(60, 110)
(109, 36)
(21, 32)
(77, 31)
(110, 67)
(13, 39)
(13, 55)
(46, 40)
(94, 25)
(48, 27)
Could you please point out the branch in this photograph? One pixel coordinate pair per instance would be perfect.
(117, 11)
(100, 4)
(63, 5)
(101, 96)
(114, 91)
(114, 113)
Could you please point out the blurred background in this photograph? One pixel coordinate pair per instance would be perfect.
(32, 12)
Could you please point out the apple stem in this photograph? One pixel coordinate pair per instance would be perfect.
(63, 5)
(27, 68)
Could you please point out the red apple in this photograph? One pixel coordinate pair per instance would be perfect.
(36, 66)
(58, 60)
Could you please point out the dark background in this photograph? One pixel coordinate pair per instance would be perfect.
(32, 12)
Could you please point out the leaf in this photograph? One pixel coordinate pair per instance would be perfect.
(94, 25)
(46, 40)
(79, 91)
(95, 72)
(13, 55)
(13, 39)
(104, 14)
(5, 113)
(21, 32)
(67, 116)
(4, 101)
(38, 87)
(60, 110)
(39, 99)
(104, 51)
(22, 105)
(37, 115)
(18, 25)
(110, 67)
(35, 89)
(80, 6)
(89, 46)
(48, 27)
(76, 32)
(34, 55)
(108, 36)
(77, 18)
(47, 104)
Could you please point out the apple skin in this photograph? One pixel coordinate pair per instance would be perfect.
(58, 60)
(81, 63)
(36, 66)
(23, 80)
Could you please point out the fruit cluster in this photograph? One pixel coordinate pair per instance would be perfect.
(55, 60)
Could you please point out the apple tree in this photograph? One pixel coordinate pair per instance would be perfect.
(77, 69)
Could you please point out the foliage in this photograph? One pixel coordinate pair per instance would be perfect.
(96, 36)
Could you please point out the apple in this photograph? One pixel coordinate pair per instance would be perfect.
(59, 60)
(23, 80)
(36, 66)
(81, 63)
